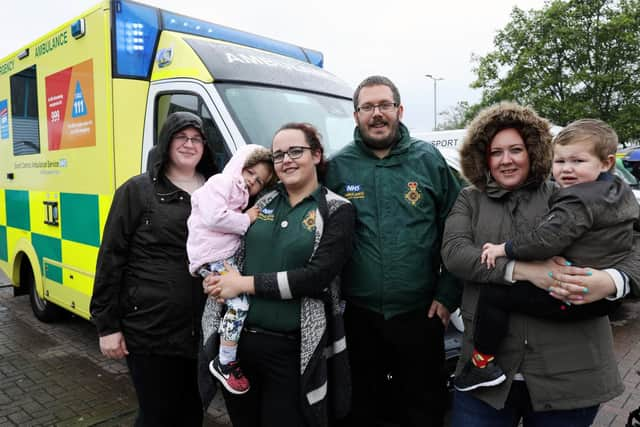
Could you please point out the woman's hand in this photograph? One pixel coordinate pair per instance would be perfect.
(576, 285)
(583, 285)
(113, 346)
(228, 285)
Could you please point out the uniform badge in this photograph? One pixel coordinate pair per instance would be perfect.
(413, 195)
(353, 191)
(266, 215)
(309, 221)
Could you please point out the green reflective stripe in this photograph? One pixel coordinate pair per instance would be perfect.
(18, 209)
(80, 219)
(4, 253)
(48, 247)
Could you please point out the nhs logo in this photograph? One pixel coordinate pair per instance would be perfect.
(353, 191)
(267, 211)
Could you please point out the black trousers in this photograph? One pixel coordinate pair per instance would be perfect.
(397, 367)
(497, 301)
(167, 390)
(272, 365)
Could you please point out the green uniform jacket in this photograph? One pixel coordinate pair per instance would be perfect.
(401, 202)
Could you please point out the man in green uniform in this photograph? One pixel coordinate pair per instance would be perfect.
(398, 294)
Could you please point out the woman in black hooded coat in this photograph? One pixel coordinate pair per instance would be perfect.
(145, 304)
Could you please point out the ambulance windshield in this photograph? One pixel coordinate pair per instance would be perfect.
(260, 110)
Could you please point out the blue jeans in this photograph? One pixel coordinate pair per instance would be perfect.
(471, 412)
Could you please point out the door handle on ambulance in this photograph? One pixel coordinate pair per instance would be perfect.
(51, 213)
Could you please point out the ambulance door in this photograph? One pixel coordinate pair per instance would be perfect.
(166, 97)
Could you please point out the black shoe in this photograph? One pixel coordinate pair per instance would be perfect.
(473, 377)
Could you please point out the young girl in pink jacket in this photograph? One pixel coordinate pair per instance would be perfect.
(219, 218)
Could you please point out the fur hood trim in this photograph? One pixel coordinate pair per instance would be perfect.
(535, 132)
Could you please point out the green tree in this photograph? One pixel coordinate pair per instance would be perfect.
(572, 59)
(455, 117)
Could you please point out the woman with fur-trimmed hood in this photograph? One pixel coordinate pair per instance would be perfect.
(556, 373)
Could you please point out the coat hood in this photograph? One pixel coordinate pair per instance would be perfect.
(176, 122)
(535, 132)
(246, 156)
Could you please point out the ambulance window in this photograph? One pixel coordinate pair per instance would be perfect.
(24, 112)
(170, 103)
(259, 111)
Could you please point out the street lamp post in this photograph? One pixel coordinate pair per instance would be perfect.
(435, 104)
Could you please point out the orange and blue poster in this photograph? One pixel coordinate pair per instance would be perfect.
(70, 107)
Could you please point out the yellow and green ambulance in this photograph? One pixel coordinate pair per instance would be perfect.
(80, 109)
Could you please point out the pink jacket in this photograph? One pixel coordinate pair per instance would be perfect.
(217, 222)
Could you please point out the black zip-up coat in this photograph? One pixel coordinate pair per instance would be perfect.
(142, 286)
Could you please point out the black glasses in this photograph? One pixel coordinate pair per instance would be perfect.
(384, 107)
(292, 152)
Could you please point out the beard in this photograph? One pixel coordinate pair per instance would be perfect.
(379, 143)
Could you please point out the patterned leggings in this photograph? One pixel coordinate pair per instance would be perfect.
(237, 307)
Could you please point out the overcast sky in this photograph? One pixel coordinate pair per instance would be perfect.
(402, 39)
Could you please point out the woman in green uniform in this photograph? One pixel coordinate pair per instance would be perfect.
(293, 347)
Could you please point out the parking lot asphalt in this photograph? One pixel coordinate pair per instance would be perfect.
(54, 374)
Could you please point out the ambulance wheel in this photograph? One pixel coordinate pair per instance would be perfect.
(44, 310)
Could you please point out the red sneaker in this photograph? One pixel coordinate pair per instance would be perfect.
(230, 376)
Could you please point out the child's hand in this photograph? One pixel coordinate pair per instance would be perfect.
(253, 212)
(490, 252)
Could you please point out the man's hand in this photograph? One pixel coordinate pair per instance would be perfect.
(441, 311)
(113, 346)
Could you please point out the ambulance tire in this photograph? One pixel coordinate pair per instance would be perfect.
(44, 310)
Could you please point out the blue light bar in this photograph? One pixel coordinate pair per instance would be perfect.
(78, 28)
(174, 22)
(136, 31)
(315, 57)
